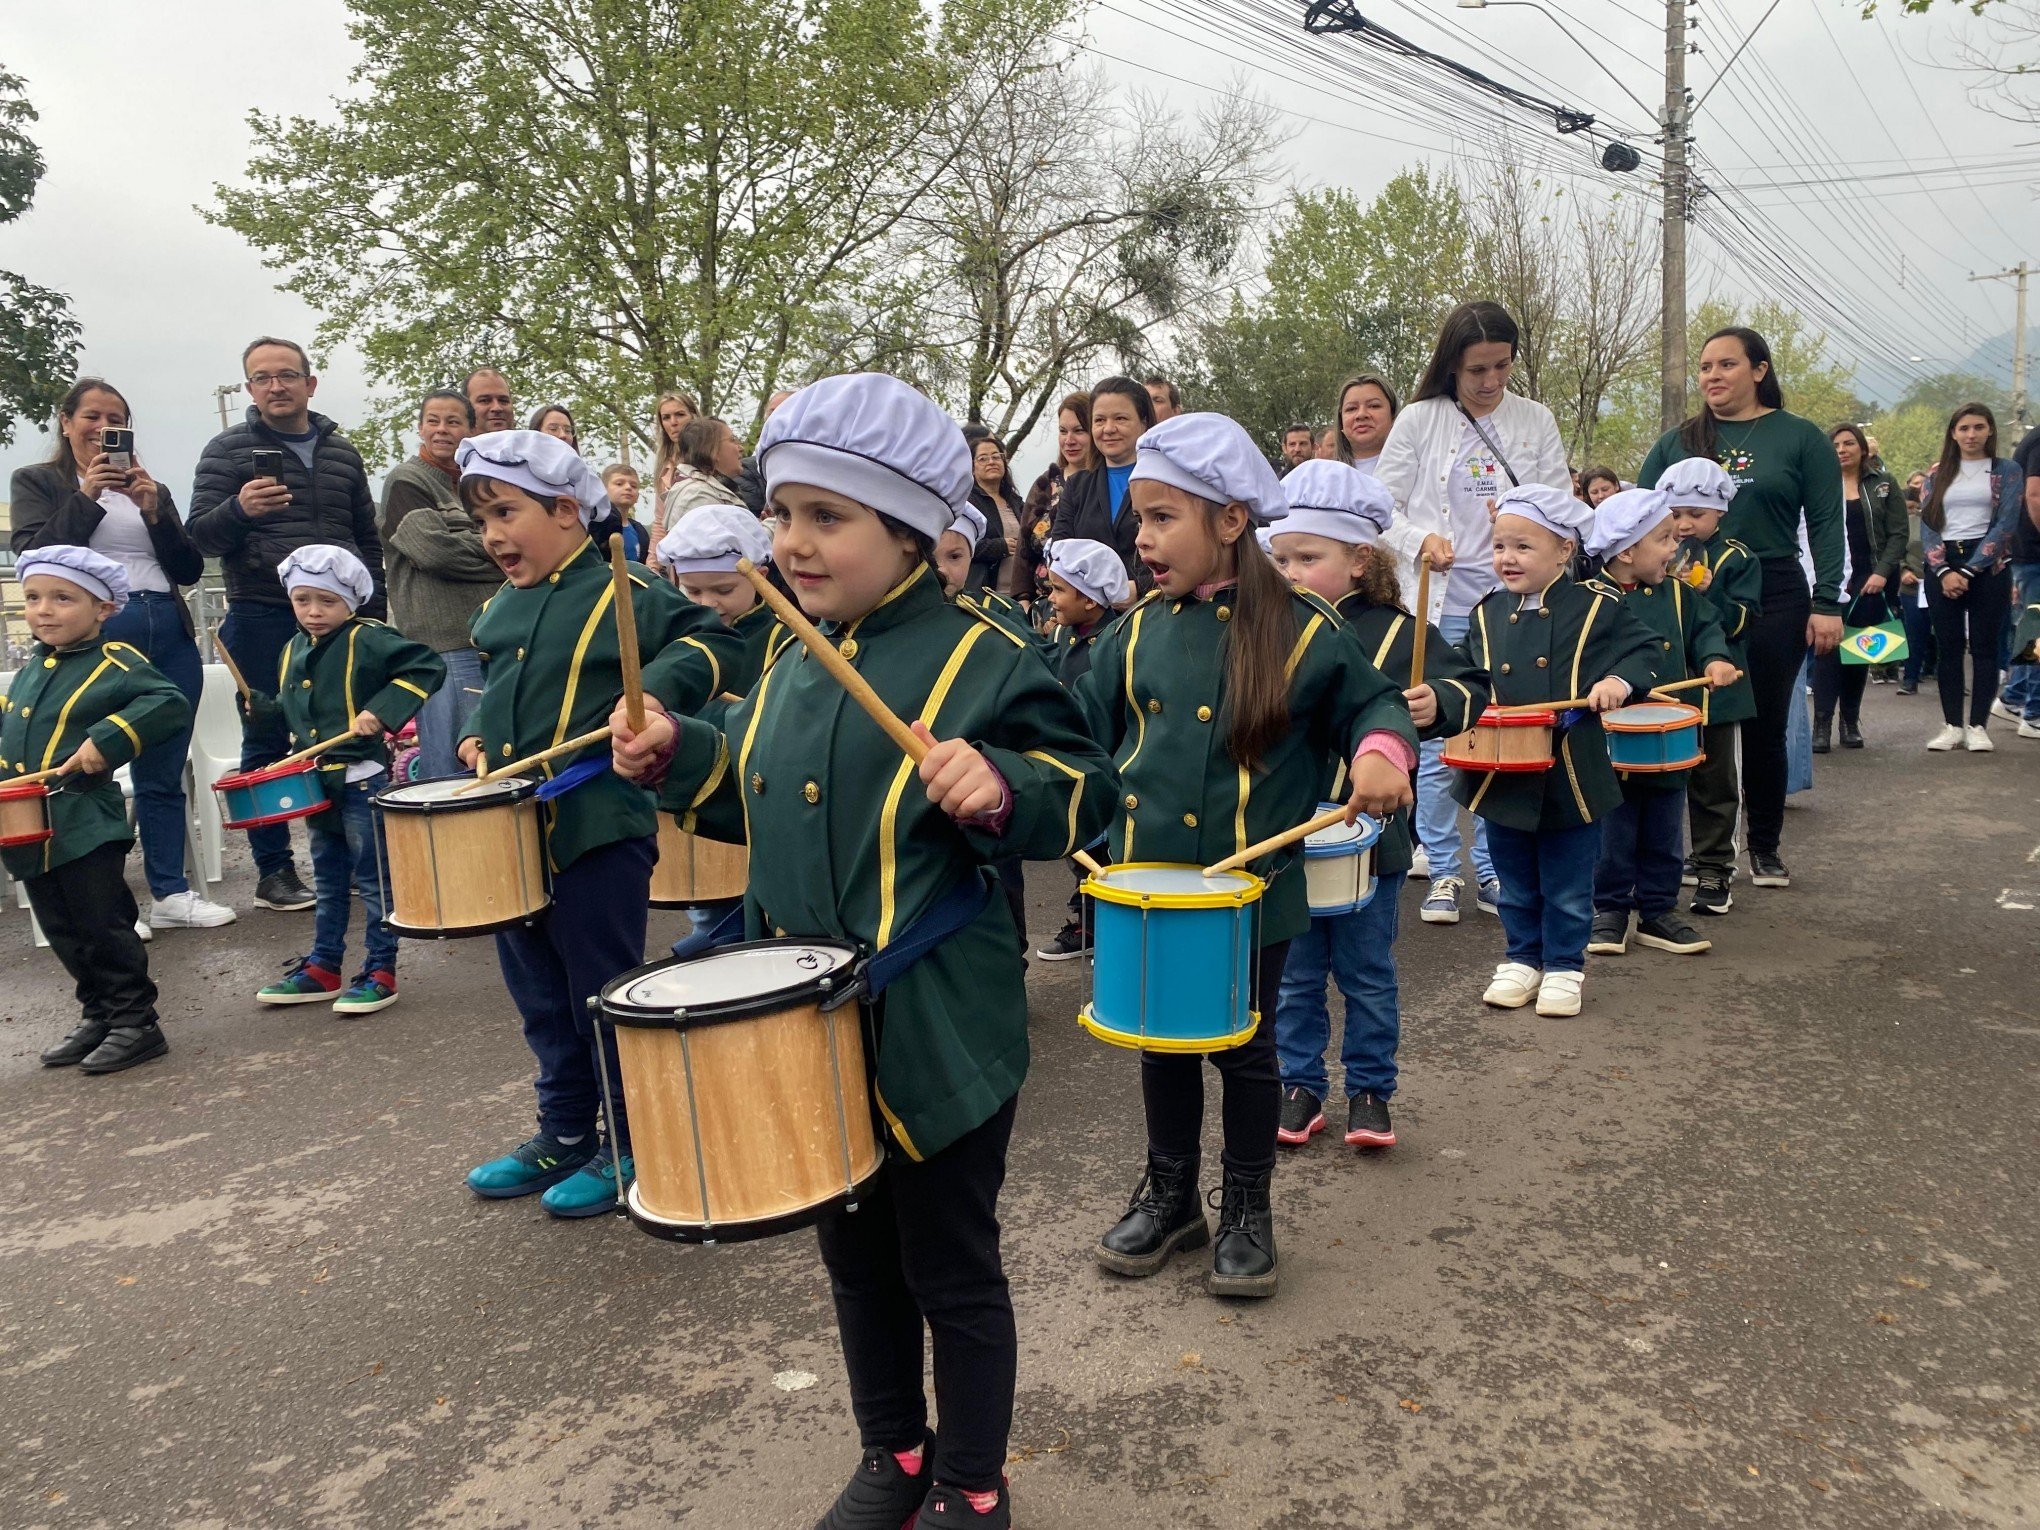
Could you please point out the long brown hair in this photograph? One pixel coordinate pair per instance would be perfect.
(1934, 512)
(62, 456)
(1078, 404)
(1468, 325)
(1255, 711)
(1700, 435)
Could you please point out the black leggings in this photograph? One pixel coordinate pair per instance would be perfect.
(1975, 623)
(923, 1250)
(1172, 1086)
(1834, 681)
(1776, 650)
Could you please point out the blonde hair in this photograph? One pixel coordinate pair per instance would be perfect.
(668, 453)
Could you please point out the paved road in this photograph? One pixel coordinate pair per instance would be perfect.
(1751, 1243)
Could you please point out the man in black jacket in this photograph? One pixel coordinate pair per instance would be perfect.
(251, 521)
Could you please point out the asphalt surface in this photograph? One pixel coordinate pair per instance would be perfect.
(1752, 1242)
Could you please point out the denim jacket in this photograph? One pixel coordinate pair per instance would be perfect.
(2008, 489)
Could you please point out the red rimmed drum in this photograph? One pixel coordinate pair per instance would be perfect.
(251, 799)
(24, 814)
(1504, 741)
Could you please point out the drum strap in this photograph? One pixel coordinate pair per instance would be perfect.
(573, 776)
(955, 909)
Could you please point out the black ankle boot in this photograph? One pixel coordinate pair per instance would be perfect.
(1243, 1258)
(1163, 1216)
(1852, 736)
(77, 1046)
(1823, 728)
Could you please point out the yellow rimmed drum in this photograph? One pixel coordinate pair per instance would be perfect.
(1173, 951)
(692, 870)
(464, 858)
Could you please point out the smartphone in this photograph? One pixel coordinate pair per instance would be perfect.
(268, 463)
(119, 446)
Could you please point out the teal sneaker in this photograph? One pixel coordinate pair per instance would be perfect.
(307, 983)
(531, 1167)
(589, 1193)
(368, 993)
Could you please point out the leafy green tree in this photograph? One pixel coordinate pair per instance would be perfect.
(38, 333)
(1945, 392)
(1815, 385)
(1909, 437)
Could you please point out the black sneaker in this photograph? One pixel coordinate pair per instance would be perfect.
(1303, 1117)
(125, 1046)
(1712, 896)
(881, 1496)
(1072, 940)
(947, 1505)
(1689, 876)
(1670, 932)
(282, 891)
(1907, 690)
(1367, 1123)
(1766, 870)
(1610, 935)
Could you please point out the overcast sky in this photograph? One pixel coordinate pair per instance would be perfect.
(143, 106)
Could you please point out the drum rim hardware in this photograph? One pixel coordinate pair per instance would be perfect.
(263, 775)
(1237, 899)
(836, 989)
(508, 791)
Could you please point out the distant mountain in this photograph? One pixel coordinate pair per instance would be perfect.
(1881, 382)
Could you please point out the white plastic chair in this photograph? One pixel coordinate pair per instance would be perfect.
(215, 751)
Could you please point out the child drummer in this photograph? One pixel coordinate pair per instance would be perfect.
(700, 554)
(1226, 696)
(1541, 637)
(89, 706)
(346, 674)
(849, 841)
(1326, 544)
(1635, 539)
(548, 639)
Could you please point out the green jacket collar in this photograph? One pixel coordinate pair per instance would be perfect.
(913, 596)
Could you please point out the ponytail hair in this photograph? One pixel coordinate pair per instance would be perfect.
(1255, 713)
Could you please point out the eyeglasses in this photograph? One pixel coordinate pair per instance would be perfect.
(264, 379)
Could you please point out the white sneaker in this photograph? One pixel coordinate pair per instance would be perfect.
(1976, 741)
(1420, 865)
(1948, 738)
(1441, 904)
(1515, 985)
(1999, 709)
(142, 929)
(2029, 729)
(1560, 994)
(188, 911)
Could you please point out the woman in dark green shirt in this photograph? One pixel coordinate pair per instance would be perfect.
(1786, 475)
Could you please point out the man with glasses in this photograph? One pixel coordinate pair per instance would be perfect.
(281, 479)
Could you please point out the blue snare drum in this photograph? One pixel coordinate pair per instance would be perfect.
(1174, 958)
(1338, 866)
(249, 799)
(1653, 737)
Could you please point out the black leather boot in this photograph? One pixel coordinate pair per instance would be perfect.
(1164, 1215)
(1852, 736)
(77, 1046)
(124, 1046)
(1243, 1258)
(1823, 729)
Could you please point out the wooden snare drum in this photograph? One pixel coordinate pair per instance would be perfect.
(1653, 737)
(470, 864)
(744, 1080)
(1504, 741)
(24, 814)
(692, 870)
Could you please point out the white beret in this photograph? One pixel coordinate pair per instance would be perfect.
(1697, 483)
(1092, 569)
(543, 466)
(970, 524)
(94, 573)
(709, 539)
(323, 566)
(1625, 518)
(1266, 538)
(1553, 509)
(872, 439)
(1212, 457)
(1336, 500)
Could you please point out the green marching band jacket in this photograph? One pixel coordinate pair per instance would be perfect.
(1005, 614)
(104, 691)
(1388, 637)
(1553, 647)
(554, 672)
(845, 844)
(364, 666)
(1154, 696)
(1687, 637)
(1737, 593)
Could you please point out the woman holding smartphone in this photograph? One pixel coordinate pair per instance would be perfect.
(94, 492)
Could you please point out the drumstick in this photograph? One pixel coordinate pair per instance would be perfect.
(1569, 704)
(233, 669)
(317, 749)
(1423, 622)
(626, 638)
(1323, 820)
(1684, 685)
(40, 775)
(844, 675)
(518, 767)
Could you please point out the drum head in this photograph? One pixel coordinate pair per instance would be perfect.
(1651, 717)
(438, 792)
(1342, 838)
(755, 978)
(1167, 883)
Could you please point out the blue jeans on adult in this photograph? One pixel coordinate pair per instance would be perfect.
(256, 635)
(1437, 813)
(1547, 893)
(2022, 686)
(1799, 732)
(1357, 951)
(152, 623)
(444, 717)
(349, 863)
(1643, 844)
(1919, 635)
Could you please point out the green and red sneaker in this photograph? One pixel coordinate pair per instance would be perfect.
(368, 993)
(307, 983)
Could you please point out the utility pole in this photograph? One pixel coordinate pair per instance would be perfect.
(1672, 314)
(221, 394)
(2017, 276)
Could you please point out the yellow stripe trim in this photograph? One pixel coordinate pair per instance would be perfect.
(1139, 718)
(888, 854)
(1296, 654)
(414, 690)
(1239, 819)
(899, 1130)
(588, 631)
(1388, 642)
(352, 710)
(63, 717)
(714, 664)
(121, 723)
(722, 768)
(1579, 656)
(1076, 789)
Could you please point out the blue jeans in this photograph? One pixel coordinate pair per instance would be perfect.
(594, 930)
(444, 717)
(1919, 635)
(256, 636)
(1437, 814)
(348, 857)
(1642, 849)
(1799, 733)
(2022, 686)
(1358, 951)
(1547, 893)
(151, 623)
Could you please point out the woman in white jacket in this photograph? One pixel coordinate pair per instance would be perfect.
(1458, 444)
